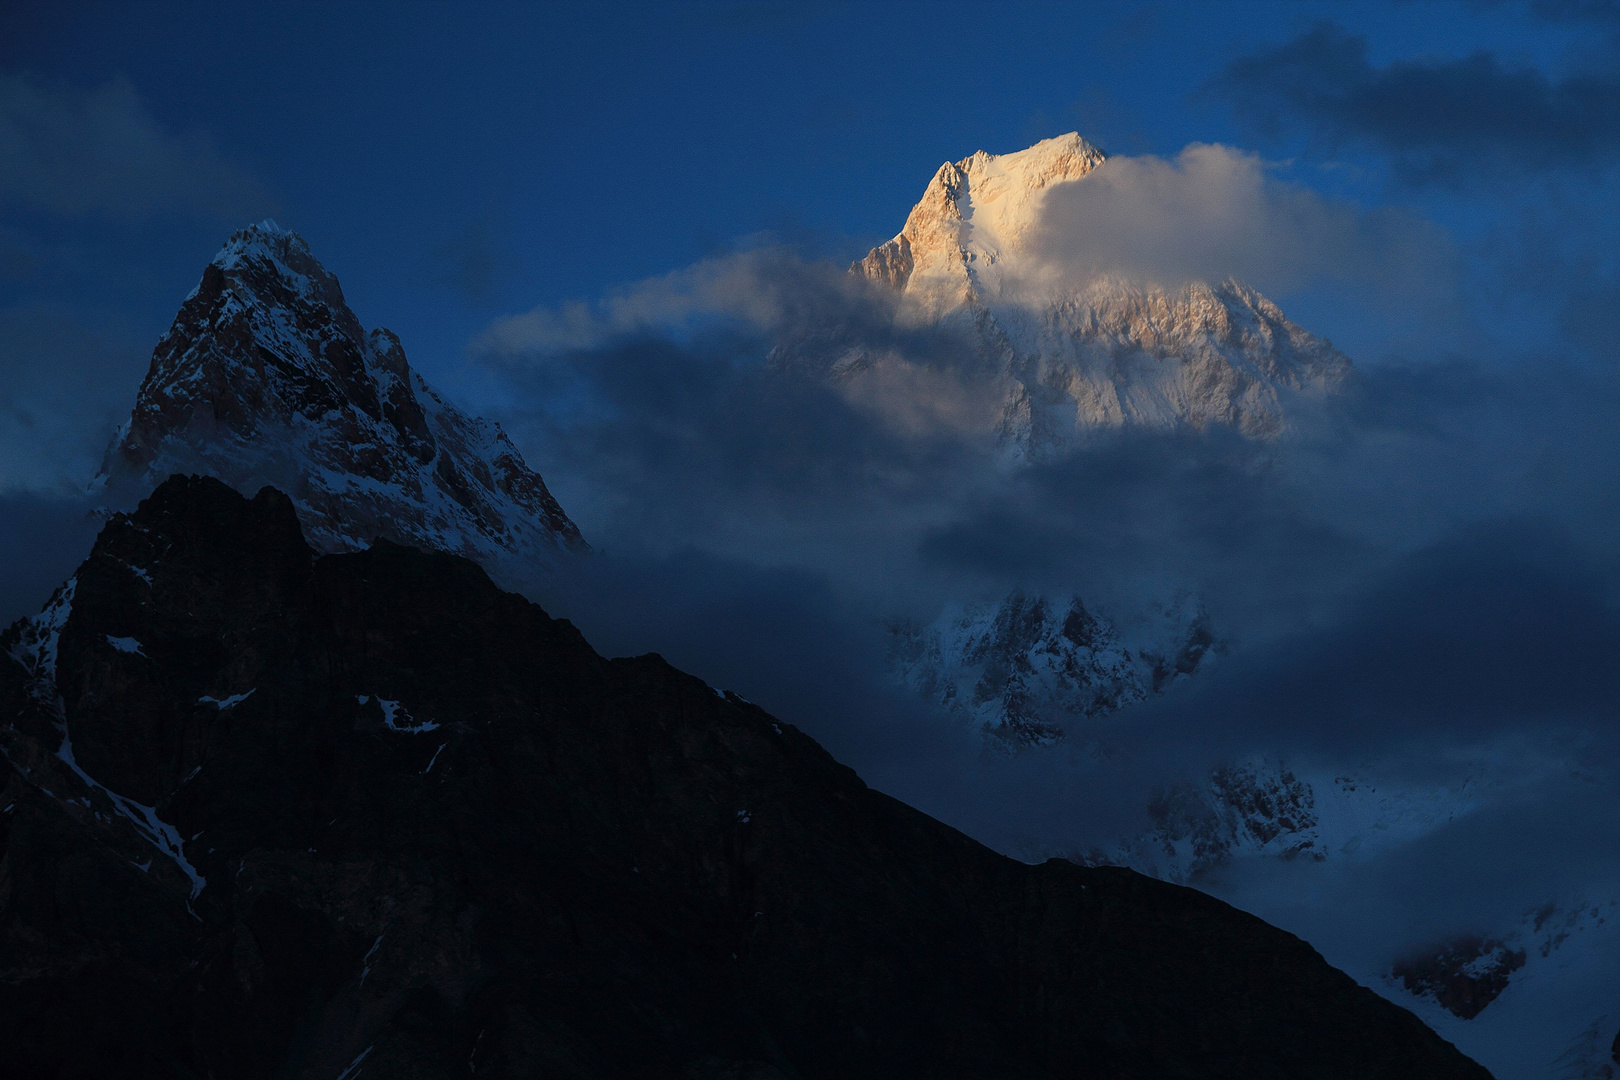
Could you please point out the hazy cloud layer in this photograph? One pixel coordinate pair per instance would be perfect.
(1460, 120)
(1210, 213)
(767, 289)
(100, 151)
(1213, 212)
(1419, 587)
(1417, 583)
(63, 388)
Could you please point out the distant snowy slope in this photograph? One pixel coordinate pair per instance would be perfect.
(267, 377)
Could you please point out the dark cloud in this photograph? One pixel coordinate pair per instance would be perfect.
(1564, 11)
(1417, 582)
(476, 262)
(101, 152)
(713, 443)
(1505, 627)
(1590, 314)
(1472, 119)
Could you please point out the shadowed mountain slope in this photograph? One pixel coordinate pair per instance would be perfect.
(268, 814)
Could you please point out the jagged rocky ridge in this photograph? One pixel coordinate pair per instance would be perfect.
(267, 377)
(273, 814)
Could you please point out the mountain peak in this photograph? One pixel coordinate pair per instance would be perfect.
(977, 209)
(1050, 161)
(267, 377)
(272, 259)
(267, 243)
(1079, 354)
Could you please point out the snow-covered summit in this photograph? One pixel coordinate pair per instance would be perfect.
(267, 377)
(1072, 352)
(974, 211)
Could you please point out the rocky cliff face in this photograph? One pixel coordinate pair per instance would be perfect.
(1076, 354)
(267, 377)
(1028, 672)
(268, 814)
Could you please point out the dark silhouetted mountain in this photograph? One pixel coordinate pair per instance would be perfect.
(268, 814)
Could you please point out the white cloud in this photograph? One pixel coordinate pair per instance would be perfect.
(1214, 212)
(765, 289)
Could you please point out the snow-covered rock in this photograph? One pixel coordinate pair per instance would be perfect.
(1073, 353)
(267, 377)
(1026, 671)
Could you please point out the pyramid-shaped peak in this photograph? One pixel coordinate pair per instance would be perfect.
(982, 207)
(271, 261)
(1070, 346)
(1001, 194)
(267, 377)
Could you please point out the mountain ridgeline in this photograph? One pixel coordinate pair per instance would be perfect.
(268, 813)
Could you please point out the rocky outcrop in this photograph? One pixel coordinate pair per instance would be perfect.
(267, 377)
(1463, 975)
(268, 814)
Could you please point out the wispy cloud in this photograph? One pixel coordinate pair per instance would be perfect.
(62, 389)
(101, 151)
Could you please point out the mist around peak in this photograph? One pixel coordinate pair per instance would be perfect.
(1413, 579)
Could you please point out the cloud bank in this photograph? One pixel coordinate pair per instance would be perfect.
(1213, 212)
(1468, 120)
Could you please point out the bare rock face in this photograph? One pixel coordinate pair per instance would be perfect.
(1463, 975)
(264, 814)
(1075, 355)
(267, 377)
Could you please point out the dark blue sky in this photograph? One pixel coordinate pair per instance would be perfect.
(454, 163)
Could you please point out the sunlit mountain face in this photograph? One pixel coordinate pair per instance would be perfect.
(1169, 446)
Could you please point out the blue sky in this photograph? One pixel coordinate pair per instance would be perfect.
(453, 163)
